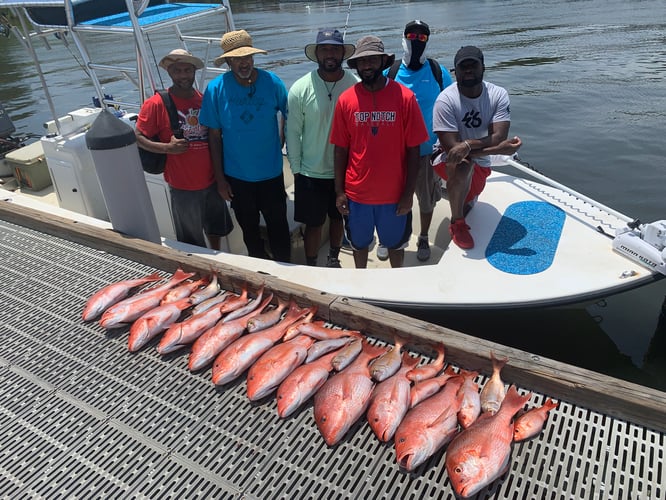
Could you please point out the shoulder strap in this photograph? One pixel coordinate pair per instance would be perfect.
(394, 69)
(436, 72)
(171, 109)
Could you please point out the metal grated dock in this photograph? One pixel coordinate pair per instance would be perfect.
(81, 417)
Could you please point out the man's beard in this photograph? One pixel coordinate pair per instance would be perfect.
(327, 66)
(471, 83)
(370, 80)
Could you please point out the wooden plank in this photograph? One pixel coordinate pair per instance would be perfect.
(607, 395)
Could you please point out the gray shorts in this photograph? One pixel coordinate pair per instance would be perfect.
(197, 211)
(428, 186)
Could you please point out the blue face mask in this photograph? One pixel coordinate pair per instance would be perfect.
(414, 56)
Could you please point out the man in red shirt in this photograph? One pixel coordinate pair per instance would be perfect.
(196, 206)
(377, 131)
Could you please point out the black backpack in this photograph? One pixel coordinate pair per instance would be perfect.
(434, 67)
(154, 163)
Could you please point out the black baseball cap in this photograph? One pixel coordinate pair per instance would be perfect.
(417, 23)
(468, 52)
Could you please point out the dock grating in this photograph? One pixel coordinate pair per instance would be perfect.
(84, 418)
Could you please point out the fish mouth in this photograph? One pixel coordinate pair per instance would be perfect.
(410, 461)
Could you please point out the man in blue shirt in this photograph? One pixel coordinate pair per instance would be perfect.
(240, 109)
(426, 78)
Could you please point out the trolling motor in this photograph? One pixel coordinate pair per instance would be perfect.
(643, 243)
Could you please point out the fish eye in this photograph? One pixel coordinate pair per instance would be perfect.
(458, 470)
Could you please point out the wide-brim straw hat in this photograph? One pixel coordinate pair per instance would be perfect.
(180, 56)
(328, 36)
(370, 46)
(236, 44)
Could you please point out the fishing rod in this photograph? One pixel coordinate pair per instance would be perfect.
(344, 31)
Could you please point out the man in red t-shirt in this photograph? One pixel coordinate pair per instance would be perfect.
(196, 206)
(377, 131)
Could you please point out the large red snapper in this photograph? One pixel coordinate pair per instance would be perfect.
(274, 366)
(301, 384)
(128, 310)
(344, 397)
(243, 352)
(390, 401)
(530, 423)
(216, 339)
(480, 454)
(428, 426)
(155, 322)
(111, 294)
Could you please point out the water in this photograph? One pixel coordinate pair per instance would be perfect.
(586, 80)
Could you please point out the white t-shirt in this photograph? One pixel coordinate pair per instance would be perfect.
(453, 112)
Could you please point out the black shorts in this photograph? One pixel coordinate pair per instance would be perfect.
(314, 199)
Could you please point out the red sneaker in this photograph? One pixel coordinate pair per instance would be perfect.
(459, 232)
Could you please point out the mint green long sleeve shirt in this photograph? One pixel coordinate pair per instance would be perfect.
(308, 126)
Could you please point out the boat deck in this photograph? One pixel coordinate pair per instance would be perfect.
(82, 417)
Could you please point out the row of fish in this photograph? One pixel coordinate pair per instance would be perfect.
(284, 350)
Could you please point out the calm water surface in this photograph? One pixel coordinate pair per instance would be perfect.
(586, 79)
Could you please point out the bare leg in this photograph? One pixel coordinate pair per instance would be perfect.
(396, 257)
(335, 230)
(312, 241)
(457, 186)
(214, 241)
(361, 258)
(426, 220)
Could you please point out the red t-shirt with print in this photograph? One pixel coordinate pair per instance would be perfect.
(193, 169)
(376, 128)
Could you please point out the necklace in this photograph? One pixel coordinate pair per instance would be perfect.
(330, 91)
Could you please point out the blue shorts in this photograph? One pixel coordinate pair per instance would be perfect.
(393, 230)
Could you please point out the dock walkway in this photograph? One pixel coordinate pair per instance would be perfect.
(82, 417)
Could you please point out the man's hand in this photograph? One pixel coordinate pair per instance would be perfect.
(224, 189)
(177, 146)
(510, 146)
(342, 204)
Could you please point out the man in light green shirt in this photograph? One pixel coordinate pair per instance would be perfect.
(311, 103)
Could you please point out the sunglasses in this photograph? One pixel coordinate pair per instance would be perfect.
(417, 36)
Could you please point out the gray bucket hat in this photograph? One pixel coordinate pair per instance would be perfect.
(328, 36)
(370, 46)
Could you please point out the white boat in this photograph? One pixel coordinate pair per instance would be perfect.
(538, 243)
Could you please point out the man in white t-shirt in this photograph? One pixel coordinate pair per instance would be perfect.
(471, 119)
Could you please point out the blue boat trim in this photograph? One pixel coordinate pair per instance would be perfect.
(526, 238)
(153, 14)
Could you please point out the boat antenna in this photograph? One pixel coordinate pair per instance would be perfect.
(344, 31)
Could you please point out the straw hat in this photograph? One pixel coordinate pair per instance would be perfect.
(180, 56)
(236, 44)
